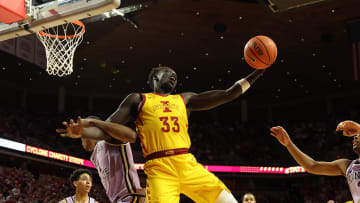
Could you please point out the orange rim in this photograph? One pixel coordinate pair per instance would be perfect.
(42, 33)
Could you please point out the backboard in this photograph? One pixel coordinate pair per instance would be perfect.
(55, 13)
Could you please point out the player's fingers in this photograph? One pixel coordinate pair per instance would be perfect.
(63, 135)
(71, 121)
(61, 130)
(348, 133)
(65, 123)
(340, 126)
(79, 120)
(275, 129)
(274, 134)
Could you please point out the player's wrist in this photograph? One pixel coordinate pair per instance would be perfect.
(289, 144)
(87, 122)
(244, 84)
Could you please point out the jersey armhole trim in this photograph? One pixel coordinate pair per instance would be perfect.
(142, 102)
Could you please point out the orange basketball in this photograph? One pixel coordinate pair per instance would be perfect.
(260, 52)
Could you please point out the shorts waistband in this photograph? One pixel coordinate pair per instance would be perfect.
(165, 153)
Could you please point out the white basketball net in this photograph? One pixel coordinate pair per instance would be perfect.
(60, 43)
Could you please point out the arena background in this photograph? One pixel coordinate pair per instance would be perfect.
(312, 86)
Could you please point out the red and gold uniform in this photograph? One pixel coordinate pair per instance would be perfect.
(162, 126)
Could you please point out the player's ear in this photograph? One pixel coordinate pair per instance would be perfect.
(75, 183)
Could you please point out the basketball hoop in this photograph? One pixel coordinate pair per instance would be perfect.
(60, 43)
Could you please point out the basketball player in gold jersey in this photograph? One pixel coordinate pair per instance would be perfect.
(162, 126)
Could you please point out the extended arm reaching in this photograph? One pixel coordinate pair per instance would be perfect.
(126, 111)
(334, 168)
(116, 131)
(211, 99)
(108, 130)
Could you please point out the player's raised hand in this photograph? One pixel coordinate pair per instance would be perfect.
(349, 128)
(72, 130)
(280, 134)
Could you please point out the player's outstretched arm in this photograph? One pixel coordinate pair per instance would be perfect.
(126, 112)
(116, 131)
(76, 130)
(211, 99)
(112, 130)
(349, 128)
(122, 115)
(334, 168)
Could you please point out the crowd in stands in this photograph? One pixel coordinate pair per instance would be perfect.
(18, 185)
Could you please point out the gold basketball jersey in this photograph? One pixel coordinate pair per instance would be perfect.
(162, 123)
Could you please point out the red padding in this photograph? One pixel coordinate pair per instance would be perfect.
(12, 11)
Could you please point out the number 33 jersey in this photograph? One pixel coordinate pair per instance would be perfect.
(162, 123)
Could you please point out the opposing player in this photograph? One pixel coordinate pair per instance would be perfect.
(162, 126)
(112, 157)
(81, 180)
(340, 167)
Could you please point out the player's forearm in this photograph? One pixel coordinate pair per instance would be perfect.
(94, 133)
(241, 86)
(301, 158)
(211, 99)
(116, 131)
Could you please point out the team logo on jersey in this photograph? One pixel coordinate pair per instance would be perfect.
(165, 106)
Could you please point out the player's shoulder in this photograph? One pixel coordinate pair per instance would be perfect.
(187, 95)
(63, 201)
(133, 98)
(133, 95)
(345, 160)
(96, 201)
(343, 164)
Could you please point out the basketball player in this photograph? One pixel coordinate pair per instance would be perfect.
(112, 158)
(345, 167)
(81, 180)
(162, 126)
(248, 198)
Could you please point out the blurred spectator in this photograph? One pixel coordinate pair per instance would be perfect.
(248, 198)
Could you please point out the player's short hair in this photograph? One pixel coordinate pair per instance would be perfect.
(153, 72)
(75, 175)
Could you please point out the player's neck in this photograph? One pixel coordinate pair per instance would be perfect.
(161, 92)
(81, 197)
